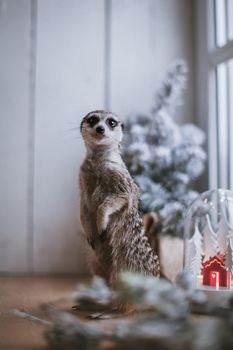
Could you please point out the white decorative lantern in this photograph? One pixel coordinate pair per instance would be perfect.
(208, 240)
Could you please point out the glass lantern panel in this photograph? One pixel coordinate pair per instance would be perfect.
(209, 240)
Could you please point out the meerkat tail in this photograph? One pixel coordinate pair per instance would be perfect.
(138, 255)
(143, 257)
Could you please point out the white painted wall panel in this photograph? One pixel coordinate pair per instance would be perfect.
(88, 54)
(69, 83)
(146, 37)
(171, 38)
(14, 122)
(130, 57)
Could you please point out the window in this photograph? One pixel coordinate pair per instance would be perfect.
(223, 15)
(220, 92)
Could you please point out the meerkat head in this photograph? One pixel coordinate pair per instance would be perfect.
(101, 128)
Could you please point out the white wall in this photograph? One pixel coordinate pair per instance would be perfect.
(14, 134)
(146, 37)
(59, 60)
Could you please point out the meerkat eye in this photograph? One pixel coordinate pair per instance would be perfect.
(92, 121)
(112, 123)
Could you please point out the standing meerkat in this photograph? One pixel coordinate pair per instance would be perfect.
(109, 202)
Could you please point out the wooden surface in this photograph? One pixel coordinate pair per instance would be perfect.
(26, 294)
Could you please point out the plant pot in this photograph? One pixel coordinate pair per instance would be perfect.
(168, 248)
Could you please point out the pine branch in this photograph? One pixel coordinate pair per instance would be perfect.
(169, 93)
(168, 324)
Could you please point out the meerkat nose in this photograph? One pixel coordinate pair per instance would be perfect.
(100, 129)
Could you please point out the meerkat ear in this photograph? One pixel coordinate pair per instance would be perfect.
(122, 126)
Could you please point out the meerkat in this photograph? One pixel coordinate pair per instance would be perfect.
(109, 211)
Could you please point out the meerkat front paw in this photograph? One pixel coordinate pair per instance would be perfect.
(102, 221)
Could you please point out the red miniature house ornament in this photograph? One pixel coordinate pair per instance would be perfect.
(214, 273)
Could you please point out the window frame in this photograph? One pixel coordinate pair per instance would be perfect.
(208, 57)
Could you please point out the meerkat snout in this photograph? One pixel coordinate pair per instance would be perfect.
(100, 129)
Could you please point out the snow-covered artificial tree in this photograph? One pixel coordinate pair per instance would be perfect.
(165, 158)
(229, 257)
(196, 251)
(209, 241)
